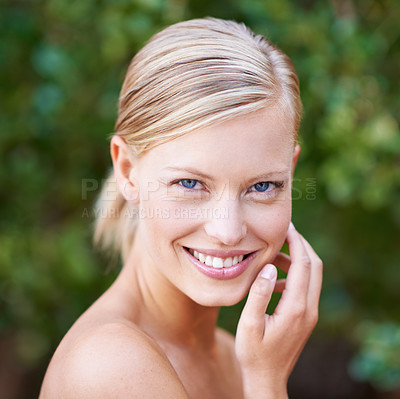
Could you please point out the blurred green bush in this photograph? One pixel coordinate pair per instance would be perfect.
(379, 357)
(62, 64)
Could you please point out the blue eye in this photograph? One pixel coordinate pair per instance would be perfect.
(188, 183)
(263, 186)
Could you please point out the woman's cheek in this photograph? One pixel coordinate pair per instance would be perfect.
(171, 219)
(270, 225)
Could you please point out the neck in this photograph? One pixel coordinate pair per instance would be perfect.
(162, 310)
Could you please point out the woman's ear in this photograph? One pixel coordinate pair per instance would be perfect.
(296, 155)
(125, 167)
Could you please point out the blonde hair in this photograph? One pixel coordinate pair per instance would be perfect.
(188, 76)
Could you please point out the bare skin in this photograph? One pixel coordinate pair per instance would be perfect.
(153, 333)
(126, 338)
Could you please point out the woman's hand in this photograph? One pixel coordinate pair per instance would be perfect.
(268, 347)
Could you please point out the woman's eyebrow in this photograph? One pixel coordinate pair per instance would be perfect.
(189, 169)
(276, 174)
(283, 173)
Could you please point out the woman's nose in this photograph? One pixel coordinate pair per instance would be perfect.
(227, 226)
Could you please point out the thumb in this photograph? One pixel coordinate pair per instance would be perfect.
(252, 318)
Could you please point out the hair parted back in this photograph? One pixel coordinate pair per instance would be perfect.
(188, 76)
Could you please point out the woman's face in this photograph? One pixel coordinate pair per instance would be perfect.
(215, 206)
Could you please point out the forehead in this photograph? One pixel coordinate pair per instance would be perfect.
(254, 142)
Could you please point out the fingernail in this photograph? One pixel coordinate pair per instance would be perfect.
(291, 226)
(269, 272)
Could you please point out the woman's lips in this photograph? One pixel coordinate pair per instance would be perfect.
(220, 264)
(221, 253)
(217, 259)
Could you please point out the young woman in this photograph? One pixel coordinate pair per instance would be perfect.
(203, 154)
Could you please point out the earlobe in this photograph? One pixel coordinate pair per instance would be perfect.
(124, 164)
(296, 155)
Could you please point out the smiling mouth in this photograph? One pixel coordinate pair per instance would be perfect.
(216, 262)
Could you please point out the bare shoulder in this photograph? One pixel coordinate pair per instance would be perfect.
(114, 360)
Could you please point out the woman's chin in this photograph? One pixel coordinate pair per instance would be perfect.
(220, 300)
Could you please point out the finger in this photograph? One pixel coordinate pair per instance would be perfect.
(282, 261)
(252, 318)
(314, 290)
(294, 297)
(280, 285)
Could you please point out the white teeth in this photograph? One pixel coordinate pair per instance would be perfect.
(228, 262)
(216, 262)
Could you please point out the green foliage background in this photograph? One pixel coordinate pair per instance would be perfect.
(62, 64)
